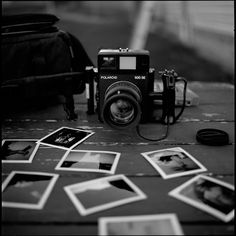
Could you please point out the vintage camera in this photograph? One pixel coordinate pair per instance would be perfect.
(125, 89)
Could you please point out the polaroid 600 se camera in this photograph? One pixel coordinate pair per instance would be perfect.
(125, 89)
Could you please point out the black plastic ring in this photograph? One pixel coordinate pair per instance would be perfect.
(212, 137)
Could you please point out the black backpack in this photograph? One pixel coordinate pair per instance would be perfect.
(40, 59)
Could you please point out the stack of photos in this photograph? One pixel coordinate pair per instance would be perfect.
(30, 190)
(18, 150)
(103, 193)
(208, 194)
(173, 162)
(65, 138)
(162, 224)
(90, 161)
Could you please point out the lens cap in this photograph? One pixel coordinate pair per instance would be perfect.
(212, 137)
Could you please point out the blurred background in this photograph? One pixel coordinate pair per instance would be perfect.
(195, 38)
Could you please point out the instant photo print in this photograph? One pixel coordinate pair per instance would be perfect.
(18, 150)
(89, 161)
(66, 138)
(30, 190)
(208, 194)
(173, 162)
(160, 224)
(104, 193)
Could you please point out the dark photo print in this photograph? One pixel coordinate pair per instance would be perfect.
(160, 224)
(214, 195)
(173, 162)
(107, 191)
(27, 189)
(208, 194)
(18, 150)
(95, 161)
(66, 138)
(100, 194)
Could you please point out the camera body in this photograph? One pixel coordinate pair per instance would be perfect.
(125, 89)
(124, 82)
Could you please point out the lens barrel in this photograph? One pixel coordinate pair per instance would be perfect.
(121, 107)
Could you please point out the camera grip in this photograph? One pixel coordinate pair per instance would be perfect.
(90, 73)
(168, 97)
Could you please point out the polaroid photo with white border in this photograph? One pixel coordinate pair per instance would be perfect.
(208, 194)
(25, 189)
(18, 150)
(89, 161)
(159, 224)
(103, 193)
(173, 162)
(66, 138)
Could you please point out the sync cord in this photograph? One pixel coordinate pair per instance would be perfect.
(168, 98)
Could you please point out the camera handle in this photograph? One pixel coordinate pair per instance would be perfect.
(168, 96)
(91, 77)
(178, 79)
(169, 79)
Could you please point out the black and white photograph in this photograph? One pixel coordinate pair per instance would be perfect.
(126, 101)
(158, 224)
(209, 194)
(173, 162)
(18, 150)
(66, 138)
(103, 193)
(90, 161)
(29, 190)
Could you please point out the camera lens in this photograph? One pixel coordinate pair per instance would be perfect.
(122, 105)
(122, 111)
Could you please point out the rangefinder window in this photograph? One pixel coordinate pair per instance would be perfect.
(108, 63)
(127, 63)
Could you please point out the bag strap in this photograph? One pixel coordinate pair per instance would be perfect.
(28, 18)
(42, 78)
(27, 22)
(80, 57)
